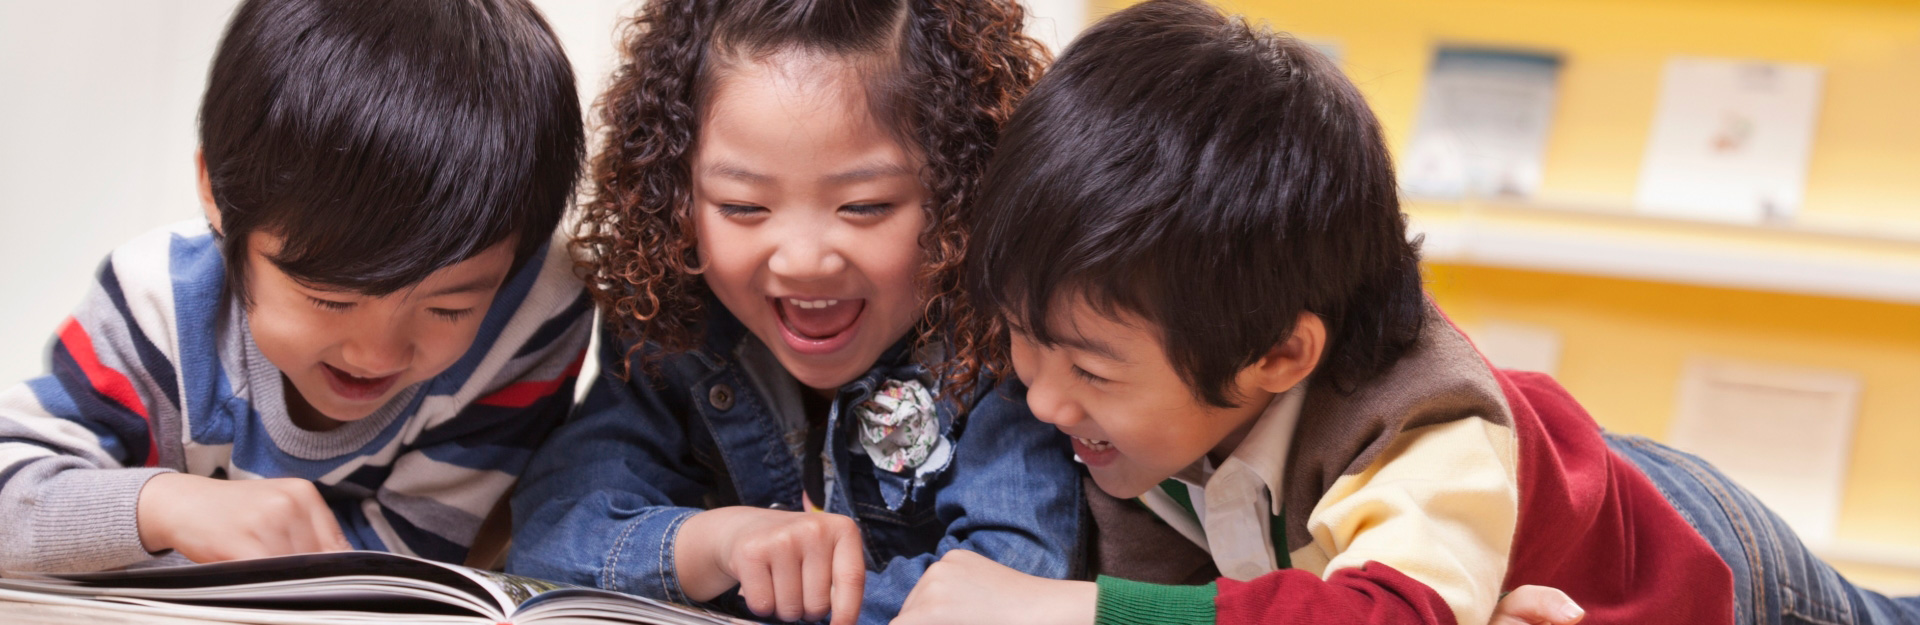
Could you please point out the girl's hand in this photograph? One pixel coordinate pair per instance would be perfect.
(789, 565)
(210, 520)
(966, 587)
(1536, 605)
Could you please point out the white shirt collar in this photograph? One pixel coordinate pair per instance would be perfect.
(1237, 505)
(1264, 451)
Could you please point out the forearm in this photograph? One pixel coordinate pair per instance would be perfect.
(603, 539)
(1374, 594)
(63, 516)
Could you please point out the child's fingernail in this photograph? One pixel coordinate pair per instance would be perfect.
(1571, 612)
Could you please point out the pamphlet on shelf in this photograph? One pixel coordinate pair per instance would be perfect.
(1731, 140)
(1483, 125)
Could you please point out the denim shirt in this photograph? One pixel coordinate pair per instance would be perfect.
(604, 499)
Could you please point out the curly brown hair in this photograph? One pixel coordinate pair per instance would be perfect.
(953, 71)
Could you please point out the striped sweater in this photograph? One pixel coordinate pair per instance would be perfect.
(1419, 498)
(156, 371)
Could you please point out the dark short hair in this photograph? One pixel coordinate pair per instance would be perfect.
(386, 140)
(1212, 178)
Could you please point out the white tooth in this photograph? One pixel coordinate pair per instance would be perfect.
(829, 303)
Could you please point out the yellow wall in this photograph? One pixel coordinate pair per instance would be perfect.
(1867, 141)
(1626, 341)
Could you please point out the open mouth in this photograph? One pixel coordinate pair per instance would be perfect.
(1093, 453)
(355, 388)
(1093, 444)
(818, 325)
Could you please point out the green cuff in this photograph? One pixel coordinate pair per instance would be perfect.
(1123, 602)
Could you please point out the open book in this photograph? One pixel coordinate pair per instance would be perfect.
(336, 589)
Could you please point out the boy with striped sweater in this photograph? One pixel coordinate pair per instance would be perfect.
(365, 339)
(1190, 242)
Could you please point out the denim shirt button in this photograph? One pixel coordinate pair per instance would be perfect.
(721, 396)
(776, 506)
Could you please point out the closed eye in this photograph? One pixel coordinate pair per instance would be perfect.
(1087, 377)
(329, 305)
(740, 210)
(867, 210)
(451, 314)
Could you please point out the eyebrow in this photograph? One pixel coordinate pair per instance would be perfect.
(869, 172)
(475, 285)
(1093, 346)
(729, 170)
(862, 173)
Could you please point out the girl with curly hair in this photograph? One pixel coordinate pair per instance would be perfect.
(775, 234)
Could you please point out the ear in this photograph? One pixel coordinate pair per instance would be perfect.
(1293, 359)
(207, 204)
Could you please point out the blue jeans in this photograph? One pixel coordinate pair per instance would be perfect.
(1776, 581)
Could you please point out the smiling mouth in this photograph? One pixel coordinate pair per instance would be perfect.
(818, 319)
(355, 388)
(1093, 444)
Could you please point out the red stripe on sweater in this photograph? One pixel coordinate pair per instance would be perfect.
(523, 394)
(106, 380)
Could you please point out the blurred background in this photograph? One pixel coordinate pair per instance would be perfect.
(1702, 216)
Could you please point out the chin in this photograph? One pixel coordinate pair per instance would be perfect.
(822, 377)
(825, 380)
(348, 415)
(1121, 488)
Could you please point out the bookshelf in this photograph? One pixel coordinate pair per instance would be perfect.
(1832, 259)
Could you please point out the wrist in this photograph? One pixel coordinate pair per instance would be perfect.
(149, 512)
(1073, 603)
(1124, 602)
(697, 560)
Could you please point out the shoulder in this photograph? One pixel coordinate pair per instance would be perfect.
(152, 280)
(179, 256)
(549, 283)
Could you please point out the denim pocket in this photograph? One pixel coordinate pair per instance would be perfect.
(896, 512)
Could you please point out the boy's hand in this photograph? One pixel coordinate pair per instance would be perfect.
(1536, 605)
(966, 587)
(790, 565)
(210, 520)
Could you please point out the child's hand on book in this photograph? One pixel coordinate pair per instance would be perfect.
(789, 565)
(966, 587)
(210, 520)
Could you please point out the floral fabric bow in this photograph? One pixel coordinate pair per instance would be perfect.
(898, 425)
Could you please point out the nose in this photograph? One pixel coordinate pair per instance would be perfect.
(377, 353)
(806, 256)
(1052, 406)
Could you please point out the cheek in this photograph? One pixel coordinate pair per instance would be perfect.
(1021, 355)
(437, 344)
(287, 336)
(893, 258)
(728, 254)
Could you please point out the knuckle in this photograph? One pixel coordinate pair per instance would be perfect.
(279, 502)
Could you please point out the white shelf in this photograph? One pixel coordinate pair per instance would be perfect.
(1878, 265)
